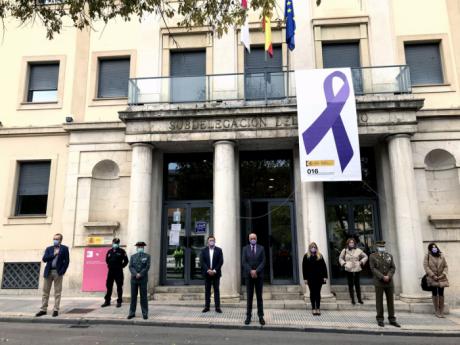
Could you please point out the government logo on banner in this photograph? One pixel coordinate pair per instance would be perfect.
(328, 127)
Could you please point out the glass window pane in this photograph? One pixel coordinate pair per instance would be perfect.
(175, 256)
(424, 62)
(201, 229)
(281, 242)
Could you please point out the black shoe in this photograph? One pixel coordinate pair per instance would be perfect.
(380, 323)
(55, 313)
(145, 317)
(218, 310)
(353, 302)
(105, 304)
(247, 321)
(261, 320)
(40, 313)
(118, 304)
(205, 310)
(394, 323)
(360, 301)
(130, 317)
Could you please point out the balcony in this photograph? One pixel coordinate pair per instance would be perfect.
(260, 87)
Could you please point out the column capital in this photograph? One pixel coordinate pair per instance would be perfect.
(149, 145)
(390, 137)
(219, 142)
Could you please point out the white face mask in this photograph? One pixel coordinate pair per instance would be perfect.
(381, 249)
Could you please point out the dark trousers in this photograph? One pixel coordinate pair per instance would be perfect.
(353, 280)
(389, 294)
(437, 291)
(117, 277)
(214, 282)
(257, 284)
(139, 285)
(315, 294)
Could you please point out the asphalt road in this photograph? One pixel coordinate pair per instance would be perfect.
(56, 334)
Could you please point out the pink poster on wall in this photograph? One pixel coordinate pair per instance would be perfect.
(94, 269)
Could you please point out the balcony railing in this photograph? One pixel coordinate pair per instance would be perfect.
(259, 86)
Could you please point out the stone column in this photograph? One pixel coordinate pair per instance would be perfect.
(407, 217)
(316, 225)
(224, 216)
(140, 195)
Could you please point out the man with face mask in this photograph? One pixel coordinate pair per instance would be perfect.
(253, 262)
(211, 259)
(139, 265)
(57, 261)
(116, 260)
(383, 268)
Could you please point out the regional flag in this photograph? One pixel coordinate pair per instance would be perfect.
(290, 23)
(268, 36)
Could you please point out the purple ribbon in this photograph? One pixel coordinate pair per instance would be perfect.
(330, 118)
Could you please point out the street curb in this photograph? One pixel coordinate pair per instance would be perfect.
(83, 323)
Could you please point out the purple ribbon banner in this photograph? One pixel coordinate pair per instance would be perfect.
(330, 119)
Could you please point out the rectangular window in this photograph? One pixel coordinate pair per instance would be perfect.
(263, 76)
(43, 82)
(424, 61)
(188, 76)
(113, 78)
(336, 55)
(32, 193)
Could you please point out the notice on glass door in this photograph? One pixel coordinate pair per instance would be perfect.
(174, 234)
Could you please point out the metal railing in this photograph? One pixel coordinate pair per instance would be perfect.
(256, 86)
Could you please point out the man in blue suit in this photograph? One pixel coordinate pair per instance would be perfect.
(212, 259)
(253, 262)
(57, 261)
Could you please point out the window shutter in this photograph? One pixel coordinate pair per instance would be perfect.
(34, 178)
(113, 78)
(43, 77)
(424, 63)
(188, 64)
(256, 62)
(336, 55)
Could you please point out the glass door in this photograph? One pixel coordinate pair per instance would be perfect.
(282, 249)
(351, 218)
(187, 227)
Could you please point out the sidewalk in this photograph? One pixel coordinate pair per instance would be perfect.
(87, 311)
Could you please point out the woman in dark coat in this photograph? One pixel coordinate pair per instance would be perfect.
(315, 275)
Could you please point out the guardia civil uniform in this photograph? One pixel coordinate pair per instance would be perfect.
(139, 264)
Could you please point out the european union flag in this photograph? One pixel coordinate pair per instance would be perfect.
(290, 24)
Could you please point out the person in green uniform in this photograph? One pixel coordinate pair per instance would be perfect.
(139, 266)
(383, 268)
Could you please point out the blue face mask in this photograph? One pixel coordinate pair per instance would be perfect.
(115, 245)
(140, 250)
(253, 242)
(55, 243)
(212, 244)
(434, 250)
(313, 250)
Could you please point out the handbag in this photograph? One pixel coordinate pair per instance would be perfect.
(424, 282)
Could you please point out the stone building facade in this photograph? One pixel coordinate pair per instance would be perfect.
(217, 151)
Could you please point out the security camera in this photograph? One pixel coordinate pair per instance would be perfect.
(69, 119)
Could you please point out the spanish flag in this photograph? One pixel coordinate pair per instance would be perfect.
(268, 35)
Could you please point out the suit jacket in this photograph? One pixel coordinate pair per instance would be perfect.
(139, 263)
(62, 262)
(250, 262)
(382, 264)
(217, 261)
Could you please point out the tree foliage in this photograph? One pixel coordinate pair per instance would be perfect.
(218, 14)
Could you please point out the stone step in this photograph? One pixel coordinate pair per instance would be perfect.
(344, 288)
(178, 297)
(277, 296)
(180, 289)
(346, 295)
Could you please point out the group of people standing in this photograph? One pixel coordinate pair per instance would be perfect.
(314, 270)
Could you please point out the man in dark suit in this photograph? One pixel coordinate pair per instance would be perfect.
(116, 259)
(253, 262)
(139, 266)
(383, 268)
(211, 259)
(57, 261)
